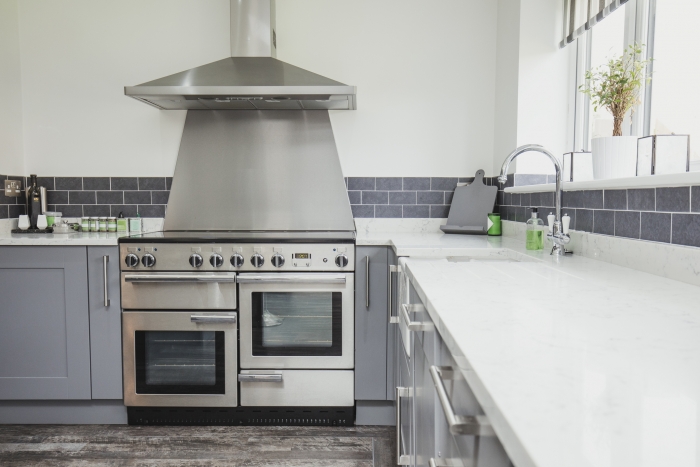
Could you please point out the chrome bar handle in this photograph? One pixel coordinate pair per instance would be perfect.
(367, 281)
(180, 277)
(477, 425)
(293, 278)
(260, 378)
(392, 269)
(415, 325)
(105, 260)
(228, 319)
(400, 459)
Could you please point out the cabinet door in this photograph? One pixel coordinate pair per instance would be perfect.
(371, 270)
(405, 406)
(105, 323)
(425, 398)
(44, 324)
(391, 334)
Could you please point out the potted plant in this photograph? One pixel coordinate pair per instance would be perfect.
(615, 86)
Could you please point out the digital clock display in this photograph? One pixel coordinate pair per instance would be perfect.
(302, 256)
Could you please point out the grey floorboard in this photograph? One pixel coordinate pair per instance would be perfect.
(117, 445)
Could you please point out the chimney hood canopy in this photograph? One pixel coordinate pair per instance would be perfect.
(252, 78)
(253, 83)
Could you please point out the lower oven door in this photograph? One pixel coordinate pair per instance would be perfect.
(297, 320)
(180, 359)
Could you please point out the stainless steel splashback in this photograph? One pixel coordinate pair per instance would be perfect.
(270, 170)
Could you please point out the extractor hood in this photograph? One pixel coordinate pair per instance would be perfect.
(252, 78)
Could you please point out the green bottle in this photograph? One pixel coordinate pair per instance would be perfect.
(534, 234)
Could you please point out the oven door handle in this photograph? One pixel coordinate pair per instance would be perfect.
(294, 278)
(228, 319)
(260, 378)
(180, 278)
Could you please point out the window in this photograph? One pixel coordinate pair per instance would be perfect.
(610, 37)
(605, 41)
(669, 103)
(675, 94)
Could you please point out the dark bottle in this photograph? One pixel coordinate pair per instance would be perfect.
(33, 203)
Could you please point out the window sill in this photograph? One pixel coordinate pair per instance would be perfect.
(649, 181)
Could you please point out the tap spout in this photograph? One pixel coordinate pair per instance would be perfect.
(557, 235)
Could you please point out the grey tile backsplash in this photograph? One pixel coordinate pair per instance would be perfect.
(668, 215)
(96, 196)
(664, 214)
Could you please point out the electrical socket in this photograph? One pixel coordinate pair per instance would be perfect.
(13, 188)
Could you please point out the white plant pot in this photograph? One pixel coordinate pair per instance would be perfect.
(614, 157)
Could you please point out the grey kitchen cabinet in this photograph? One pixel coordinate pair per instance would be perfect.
(44, 324)
(371, 288)
(422, 351)
(105, 322)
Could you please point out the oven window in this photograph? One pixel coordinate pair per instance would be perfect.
(297, 323)
(179, 362)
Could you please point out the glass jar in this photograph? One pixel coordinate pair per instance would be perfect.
(103, 224)
(111, 224)
(135, 224)
(85, 224)
(122, 224)
(94, 224)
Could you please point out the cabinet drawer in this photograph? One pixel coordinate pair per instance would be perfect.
(481, 451)
(173, 291)
(303, 388)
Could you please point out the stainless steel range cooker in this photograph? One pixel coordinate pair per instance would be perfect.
(186, 297)
(241, 310)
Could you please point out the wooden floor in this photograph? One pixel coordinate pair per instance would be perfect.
(255, 446)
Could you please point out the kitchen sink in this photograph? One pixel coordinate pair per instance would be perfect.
(493, 256)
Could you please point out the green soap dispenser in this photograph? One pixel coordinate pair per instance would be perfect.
(534, 233)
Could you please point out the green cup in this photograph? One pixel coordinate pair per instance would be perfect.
(495, 229)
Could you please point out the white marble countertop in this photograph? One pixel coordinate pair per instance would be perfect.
(71, 239)
(575, 361)
(77, 238)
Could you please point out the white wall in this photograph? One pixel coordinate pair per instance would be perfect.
(77, 56)
(425, 73)
(11, 153)
(507, 63)
(543, 85)
(534, 86)
(444, 88)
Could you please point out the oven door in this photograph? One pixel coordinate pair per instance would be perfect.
(296, 320)
(180, 359)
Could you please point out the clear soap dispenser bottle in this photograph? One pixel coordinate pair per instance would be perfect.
(534, 233)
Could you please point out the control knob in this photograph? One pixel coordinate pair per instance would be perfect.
(257, 260)
(341, 260)
(216, 260)
(196, 260)
(237, 260)
(277, 260)
(148, 260)
(131, 260)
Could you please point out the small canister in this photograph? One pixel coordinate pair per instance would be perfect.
(85, 224)
(94, 224)
(111, 224)
(494, 224)
(122, 224)
(135, 224)
(103, 224)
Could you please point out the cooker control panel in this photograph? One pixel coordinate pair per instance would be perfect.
(224, 257)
